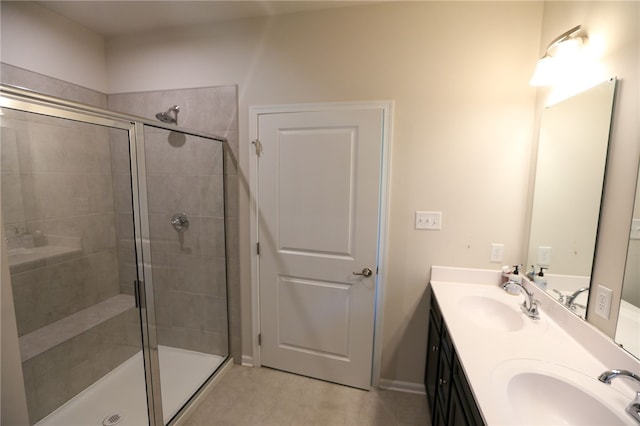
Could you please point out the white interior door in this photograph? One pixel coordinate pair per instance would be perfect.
(318, 219)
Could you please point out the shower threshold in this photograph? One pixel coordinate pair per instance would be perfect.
(122, 392)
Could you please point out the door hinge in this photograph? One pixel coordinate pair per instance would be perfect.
(258, 249)
(258, 146)
(259, 339)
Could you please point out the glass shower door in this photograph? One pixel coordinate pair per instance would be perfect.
(69, 224)
(184, 186)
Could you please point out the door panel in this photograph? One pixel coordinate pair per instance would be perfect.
(309, 300)
(313, 201)
(319, 189)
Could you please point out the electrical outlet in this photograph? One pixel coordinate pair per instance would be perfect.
(497, 253)
(635, 229)
(429, 220)
(544, 256)
(603, 301)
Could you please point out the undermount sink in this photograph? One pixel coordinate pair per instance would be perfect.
(540, 393)
(497, 315)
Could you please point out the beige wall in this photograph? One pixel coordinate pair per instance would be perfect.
(39, 40)
(462, 127)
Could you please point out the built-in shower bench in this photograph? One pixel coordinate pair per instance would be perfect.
(51, 335)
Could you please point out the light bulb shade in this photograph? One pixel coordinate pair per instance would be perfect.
(544, 73)
(569, 48)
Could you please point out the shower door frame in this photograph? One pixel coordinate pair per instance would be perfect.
(27, 101)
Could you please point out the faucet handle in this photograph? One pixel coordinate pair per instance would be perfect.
(534, 305)
(633, 409)
(560, 295)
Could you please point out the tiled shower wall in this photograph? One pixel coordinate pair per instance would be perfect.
(58, 191)
(65, 182)
(186, 176)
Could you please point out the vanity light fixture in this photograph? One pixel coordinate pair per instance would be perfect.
(558, 57)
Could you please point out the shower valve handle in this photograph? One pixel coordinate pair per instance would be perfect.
(180, 221)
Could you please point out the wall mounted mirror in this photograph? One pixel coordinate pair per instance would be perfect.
(572, 153)
(628, 326)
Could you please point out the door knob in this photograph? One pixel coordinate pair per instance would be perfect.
(365, 272)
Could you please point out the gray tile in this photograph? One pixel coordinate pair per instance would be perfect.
(211, 194)
(119, 148)
(214, 314)
(102, 232)
(98, 150)
(187, 310)
(9, 148)
(212, 237)
(51, 86)
(100, 191)
(209, 157)
(12, 200)
(214, 276)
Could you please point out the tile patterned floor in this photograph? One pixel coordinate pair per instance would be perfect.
(263, 397)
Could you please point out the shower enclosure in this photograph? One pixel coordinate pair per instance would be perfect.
(115, 239)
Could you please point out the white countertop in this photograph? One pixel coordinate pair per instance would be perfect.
(628, 326)
(554, 346)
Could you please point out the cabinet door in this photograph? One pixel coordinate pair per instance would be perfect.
(444, 383)
(438, 417)
(431, 367)
(467, 401)
(456, 416)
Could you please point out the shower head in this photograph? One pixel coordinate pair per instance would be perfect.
(166, 117)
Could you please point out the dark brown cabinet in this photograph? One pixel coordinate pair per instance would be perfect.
(448, 393)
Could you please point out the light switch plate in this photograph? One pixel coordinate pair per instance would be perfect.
(428, 220)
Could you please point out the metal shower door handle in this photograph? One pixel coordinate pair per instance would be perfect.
(366, 272)
(180, 221)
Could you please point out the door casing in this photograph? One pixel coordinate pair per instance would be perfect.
(383, 226)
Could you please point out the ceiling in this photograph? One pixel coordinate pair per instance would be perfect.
(114, 18)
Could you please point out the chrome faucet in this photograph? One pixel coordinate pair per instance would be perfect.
(530, 305)
(633, 409)
(569, 301)
(560, 295)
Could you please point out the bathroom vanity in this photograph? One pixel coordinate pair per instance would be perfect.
(488, 363)
(448, 393)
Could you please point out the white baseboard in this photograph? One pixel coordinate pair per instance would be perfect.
(247, 361)
(401, 386)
